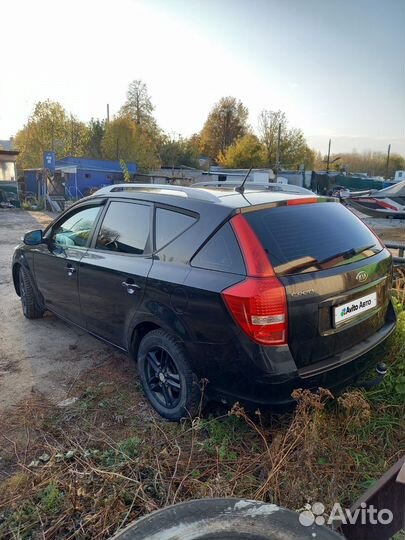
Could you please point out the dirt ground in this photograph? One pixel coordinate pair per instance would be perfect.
(45, 356)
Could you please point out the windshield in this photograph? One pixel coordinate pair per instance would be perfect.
(312, 237)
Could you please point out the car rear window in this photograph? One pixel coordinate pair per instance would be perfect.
(221, 253)
(169, 225)
(312, 237)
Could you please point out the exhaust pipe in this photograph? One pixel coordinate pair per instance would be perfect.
(381, 369)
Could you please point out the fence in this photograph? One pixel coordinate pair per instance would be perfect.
(400, 259)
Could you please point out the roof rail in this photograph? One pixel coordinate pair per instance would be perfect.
(255, 186)
(163, 189)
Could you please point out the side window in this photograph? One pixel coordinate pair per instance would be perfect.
(221, 253)
(125, 228)
(76, 229)
(170, 224)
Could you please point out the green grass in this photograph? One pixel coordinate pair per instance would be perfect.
(223, 436)
(112, 460)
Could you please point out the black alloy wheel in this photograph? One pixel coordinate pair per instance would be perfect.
(163, 378)
(167, 378)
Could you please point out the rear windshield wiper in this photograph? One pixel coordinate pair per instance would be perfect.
(308, 262)
(347, 254)
(297, 264)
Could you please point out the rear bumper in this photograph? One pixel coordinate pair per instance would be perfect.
(274, 388)
(351, 354)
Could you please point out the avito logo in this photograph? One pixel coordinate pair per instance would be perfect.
(349, 309)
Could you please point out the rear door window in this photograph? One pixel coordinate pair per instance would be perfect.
(311, 237)
(169, 225)
(125, 228)
(221, 253)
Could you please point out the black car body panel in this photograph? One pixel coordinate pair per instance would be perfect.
(112, 293)
(313, 336)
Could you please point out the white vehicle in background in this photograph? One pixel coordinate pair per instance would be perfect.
(399, 176)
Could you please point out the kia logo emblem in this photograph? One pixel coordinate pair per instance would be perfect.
(362, 276)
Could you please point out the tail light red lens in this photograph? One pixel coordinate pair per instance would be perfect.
(257, 263)
(259, 307)
(258, 304)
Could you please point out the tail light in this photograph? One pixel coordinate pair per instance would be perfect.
(258, 304)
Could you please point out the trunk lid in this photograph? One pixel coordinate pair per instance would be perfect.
(317, 330)
(335, 271)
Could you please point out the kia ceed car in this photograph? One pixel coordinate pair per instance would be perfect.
(249, 294)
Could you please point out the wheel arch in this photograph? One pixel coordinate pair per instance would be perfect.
(137, 333)
(19, 263)
(139, 330)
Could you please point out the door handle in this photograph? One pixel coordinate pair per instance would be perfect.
(70, 270)
(130, 285)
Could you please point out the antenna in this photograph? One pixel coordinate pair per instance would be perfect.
(241, 188)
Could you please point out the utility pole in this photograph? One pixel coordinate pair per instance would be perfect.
(278, 150)
(388, 161)
(118, 148)
(71, 126)
(53, 138)
(328, 160)
(108, 112)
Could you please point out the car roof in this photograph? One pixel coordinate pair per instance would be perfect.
(225, 196)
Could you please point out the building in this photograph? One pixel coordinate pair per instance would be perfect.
(172, 175)
(219, 174)
(6, 144)
(8, 177)
(77, 177)
(8, 168)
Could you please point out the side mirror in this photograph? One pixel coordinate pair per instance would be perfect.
(33, 238)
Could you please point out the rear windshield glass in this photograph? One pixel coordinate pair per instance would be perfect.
(312, 237)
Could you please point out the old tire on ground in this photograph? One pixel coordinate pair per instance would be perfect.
(166, 376)
(224, 519)
(29, 303)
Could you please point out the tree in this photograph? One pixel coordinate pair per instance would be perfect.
(177, 152)
(139, 105)
(123, 140)
(244, 153)
(268, 126)
(96, 130)
(226, 122)
(372, 163)
(293, 148)
(120, 139)
(310, 158)
(49, 128)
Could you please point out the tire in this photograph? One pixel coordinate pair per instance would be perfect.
(166, 376)
(224, 519)
(29, 303)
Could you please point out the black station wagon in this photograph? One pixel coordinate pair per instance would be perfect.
(249, 294)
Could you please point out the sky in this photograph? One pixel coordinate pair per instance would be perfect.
(336, 67)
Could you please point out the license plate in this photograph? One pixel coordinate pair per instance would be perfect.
(354, 308)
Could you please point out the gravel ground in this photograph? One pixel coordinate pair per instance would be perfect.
(44, 356)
